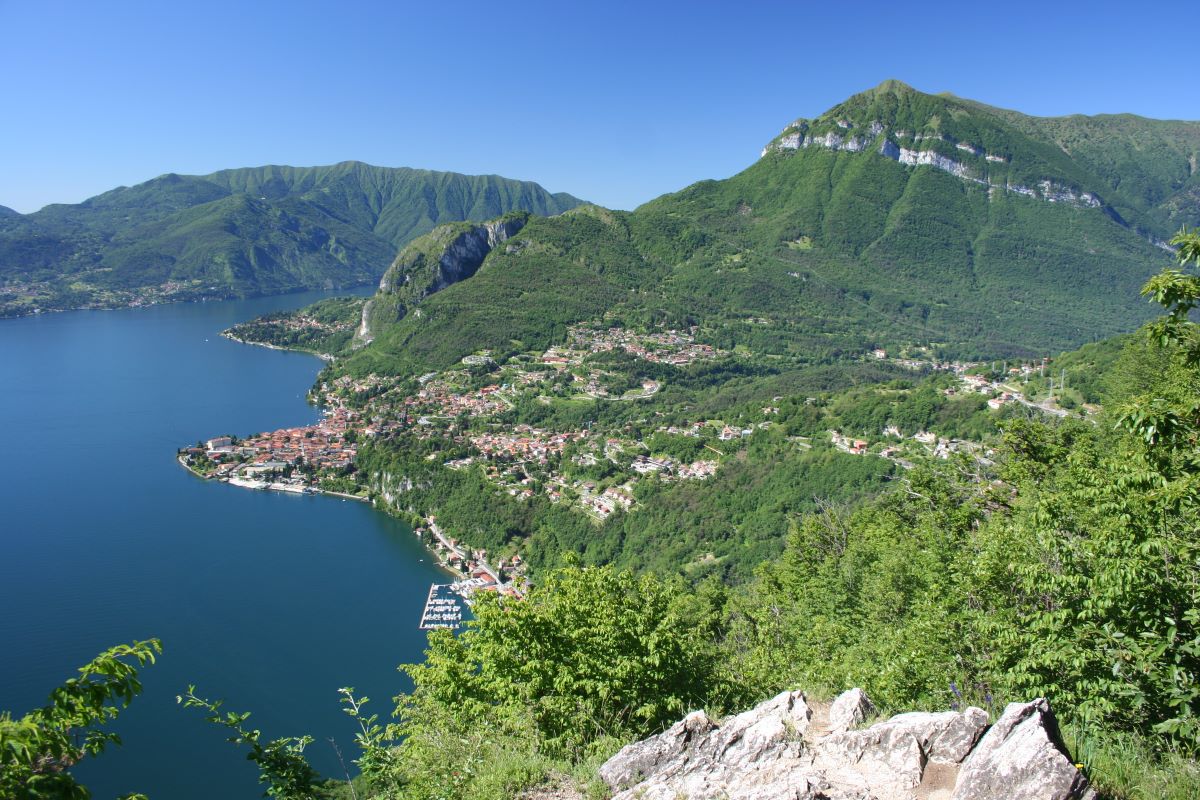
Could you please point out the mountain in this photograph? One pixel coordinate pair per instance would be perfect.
(5, 211)
(895, 219)
(244, 231)
(1143, 172)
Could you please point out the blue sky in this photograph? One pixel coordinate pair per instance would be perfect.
(616, 102)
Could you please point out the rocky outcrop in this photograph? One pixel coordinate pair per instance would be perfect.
(363, 335)
(748, 756)
(422, 272)
(429, 264)
(797, 137)
(848, 710)
(916, 158)
(1021, 758)
(790, 748)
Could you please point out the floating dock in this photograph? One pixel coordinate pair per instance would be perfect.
(443, 608)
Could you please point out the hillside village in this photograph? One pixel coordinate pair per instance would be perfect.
(469, 418)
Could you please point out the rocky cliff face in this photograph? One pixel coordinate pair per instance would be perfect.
(975, 169)
(791, 748)
(416, 274)
(429, 264)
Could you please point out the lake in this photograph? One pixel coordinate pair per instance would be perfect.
(271, 601)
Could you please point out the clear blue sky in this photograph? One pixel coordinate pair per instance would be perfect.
(616, 102)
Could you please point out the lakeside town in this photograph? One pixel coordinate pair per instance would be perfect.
(21, 296)
(456, 410)
(468, 418)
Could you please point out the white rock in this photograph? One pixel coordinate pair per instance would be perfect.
(889, 759)
(1021, 758)
(763, 754)
(745, 757)
(791, 141)
(849, 709)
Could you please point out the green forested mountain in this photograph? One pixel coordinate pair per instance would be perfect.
(240, 232)
(1150, 166)
(896, 218)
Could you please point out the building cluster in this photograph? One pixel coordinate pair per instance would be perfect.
(523, 443)
(371, 384)
(693, 430)
(669, 468)
(729, 433)
(929, 442)
(477, 573)
(602, 504)
(519, 459)
(668, 347)
(441, 398)
(318, 448)
(303, 322)
(848, 444)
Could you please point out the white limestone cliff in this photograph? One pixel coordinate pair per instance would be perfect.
(796, 137)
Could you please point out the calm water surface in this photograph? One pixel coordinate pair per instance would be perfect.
(271, 601)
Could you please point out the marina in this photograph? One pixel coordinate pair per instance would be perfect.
(443, 608)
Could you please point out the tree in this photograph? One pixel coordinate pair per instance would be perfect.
(38, 750)
(1179, 293)
(592, 654)
(281, 762)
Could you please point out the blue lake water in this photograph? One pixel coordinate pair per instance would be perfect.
(271, 601)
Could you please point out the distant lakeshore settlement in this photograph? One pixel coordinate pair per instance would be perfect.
(455, 412)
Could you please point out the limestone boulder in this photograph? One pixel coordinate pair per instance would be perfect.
(889, 759)
(1022, 758)
(851, 708)
(747, 756)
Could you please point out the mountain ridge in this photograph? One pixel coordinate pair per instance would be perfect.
(846, 237)
(241, 232)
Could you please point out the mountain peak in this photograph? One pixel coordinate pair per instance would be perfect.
(893, 87)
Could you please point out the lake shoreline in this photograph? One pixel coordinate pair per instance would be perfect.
(326, 357)
(439, 557)
(472, 572)
(167, 301)
(271, 487)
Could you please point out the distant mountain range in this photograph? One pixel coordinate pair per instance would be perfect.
(896, 218)
(240, 232)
